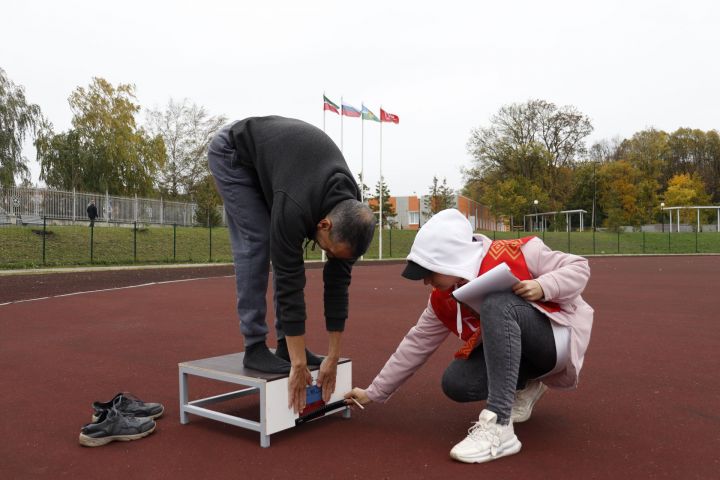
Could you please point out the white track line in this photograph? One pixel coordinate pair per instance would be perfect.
(112, 289)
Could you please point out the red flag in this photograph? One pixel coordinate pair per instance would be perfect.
(388, 117)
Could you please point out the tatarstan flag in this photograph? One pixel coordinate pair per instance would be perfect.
(388, 117)
(330, 105)
(368, 115)
(350, 111)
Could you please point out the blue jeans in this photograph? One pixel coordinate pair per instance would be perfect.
(517, 345)
(248, 219)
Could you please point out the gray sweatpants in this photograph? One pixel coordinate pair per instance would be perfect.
(248, 219)
(517, 345)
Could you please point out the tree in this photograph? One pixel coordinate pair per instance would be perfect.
(18, 118)
(440, 197)
(512, 197)
(695, 151)
(584, 189)
(104, 151)
(363, 188)
(649, 152)
(604, 151)
(535, 140)
(207, 199)
(186, 130)
(618, 191)
(388, 210)
(687, 190)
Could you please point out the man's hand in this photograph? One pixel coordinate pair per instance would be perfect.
(327, 376)
(297, 381)
(299, 374)
(530, 290)
(328, 367)
(359, 395)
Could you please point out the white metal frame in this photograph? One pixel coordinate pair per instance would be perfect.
(271, 388)
(697, 208)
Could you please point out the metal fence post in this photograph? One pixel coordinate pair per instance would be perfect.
(209, 234)
(92, 234)
(134, 242)
(390, 240)
(44, 235)
(174, 242)
(568, 232)
(593, 241)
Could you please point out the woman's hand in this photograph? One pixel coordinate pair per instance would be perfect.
(530, 290)
(357, 394)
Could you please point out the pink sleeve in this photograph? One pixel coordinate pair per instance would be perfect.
(563, 276)
(414, 350)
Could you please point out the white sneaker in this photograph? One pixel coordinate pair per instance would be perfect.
(487, 441)
(525, 401)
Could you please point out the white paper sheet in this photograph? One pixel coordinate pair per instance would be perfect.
(497, 279)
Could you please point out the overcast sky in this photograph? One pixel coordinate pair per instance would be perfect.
(443, 67)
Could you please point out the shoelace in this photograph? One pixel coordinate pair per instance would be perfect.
(485, 432)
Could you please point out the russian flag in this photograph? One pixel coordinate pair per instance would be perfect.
(350, 111)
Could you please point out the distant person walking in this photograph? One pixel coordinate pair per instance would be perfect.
(92, 212)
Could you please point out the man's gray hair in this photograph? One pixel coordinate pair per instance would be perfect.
(353, 223)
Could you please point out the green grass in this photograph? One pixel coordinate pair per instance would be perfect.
(636, 243)
(22, 247)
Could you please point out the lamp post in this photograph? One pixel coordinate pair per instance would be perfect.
(662, 216)
(535, 204)
(594, 195)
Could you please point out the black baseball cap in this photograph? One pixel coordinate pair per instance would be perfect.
(413, 271)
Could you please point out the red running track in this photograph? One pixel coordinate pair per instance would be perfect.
(647, 405)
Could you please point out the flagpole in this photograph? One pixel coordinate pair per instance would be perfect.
(323, 251)
(362, 151)
(381, 190)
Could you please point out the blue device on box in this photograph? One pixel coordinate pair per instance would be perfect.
(313, 394)
(315, 407)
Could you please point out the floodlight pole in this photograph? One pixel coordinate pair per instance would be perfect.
(662, 216)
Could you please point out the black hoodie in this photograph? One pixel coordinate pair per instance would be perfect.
(302, 175)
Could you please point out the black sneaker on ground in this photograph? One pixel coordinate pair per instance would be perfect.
(130, 406)
(112, 426)
(282, 352)
(259, 357)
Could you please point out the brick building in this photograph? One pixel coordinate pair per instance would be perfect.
(411, 213)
